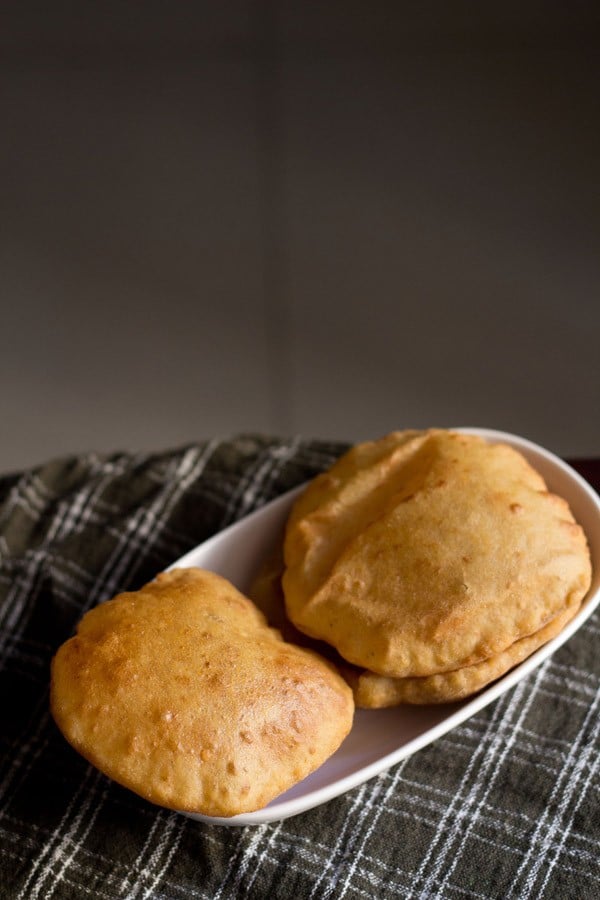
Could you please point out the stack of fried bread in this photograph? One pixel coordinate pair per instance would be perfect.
(431, 562)
(181, 692)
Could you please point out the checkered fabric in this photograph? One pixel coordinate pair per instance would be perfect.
(505, 806)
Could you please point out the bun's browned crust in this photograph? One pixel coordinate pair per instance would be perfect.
(182, 693)
(428, 552)
(372, 691)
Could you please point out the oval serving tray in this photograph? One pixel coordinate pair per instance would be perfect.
(381, 738)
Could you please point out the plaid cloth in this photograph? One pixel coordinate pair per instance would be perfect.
(504, 806)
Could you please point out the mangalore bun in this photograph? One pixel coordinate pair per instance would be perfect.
(182, 693)
(372, 691)
(430, 551)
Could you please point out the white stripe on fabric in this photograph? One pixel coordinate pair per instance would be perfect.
(250, 838)
(470, 808)
(254, 485)
(137, 867)
(137, 536)
(22, 588)
(379, 886)
(449, 817)
(160, 859)
(20, 592)
(74, 838)
(355, 804)
(449, 828)
(265, 834)
(393, 782)
(564, 788)
(29, 494)
(269, 843)
(31, 887)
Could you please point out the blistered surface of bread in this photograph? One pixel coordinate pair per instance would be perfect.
(430, 551)
(372, 691)
(182, 693)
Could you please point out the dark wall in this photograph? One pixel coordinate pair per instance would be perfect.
(334, 219)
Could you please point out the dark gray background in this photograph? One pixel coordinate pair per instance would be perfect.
(334, 219)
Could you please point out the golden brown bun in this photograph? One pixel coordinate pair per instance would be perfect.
(182, 693)
(372, 691)
(427, 552)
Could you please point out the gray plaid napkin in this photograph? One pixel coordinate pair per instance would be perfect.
(505, 806)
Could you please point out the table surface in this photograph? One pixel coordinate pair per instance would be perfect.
(505, 805)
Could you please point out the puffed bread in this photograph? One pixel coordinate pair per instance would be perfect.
(373, 691)
(182, 693)
(427, 552)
